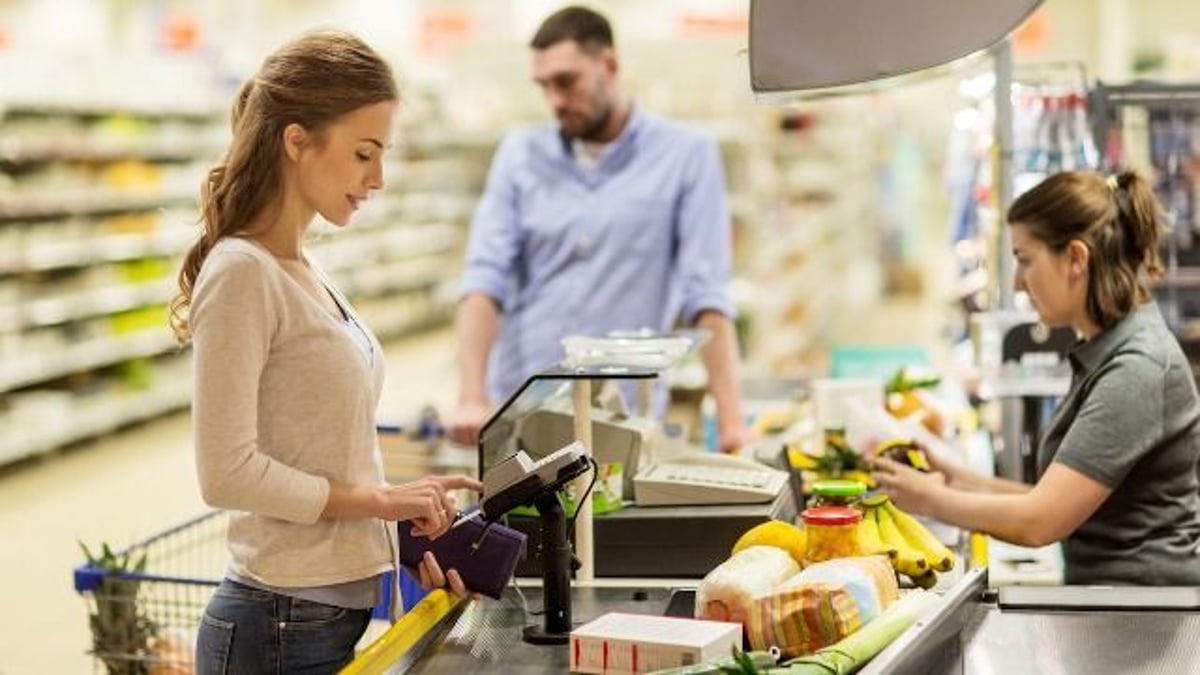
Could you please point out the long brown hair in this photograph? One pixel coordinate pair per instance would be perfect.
(1117, 217)
(311, 81)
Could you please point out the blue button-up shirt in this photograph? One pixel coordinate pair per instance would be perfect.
(639, 241)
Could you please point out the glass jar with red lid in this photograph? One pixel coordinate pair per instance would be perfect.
(831, 532)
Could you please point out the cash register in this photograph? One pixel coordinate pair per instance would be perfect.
(682, 511)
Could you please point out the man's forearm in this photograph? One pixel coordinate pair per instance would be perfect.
(475, 326)
(720, 358)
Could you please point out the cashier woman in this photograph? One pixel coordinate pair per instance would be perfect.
(1118, 461)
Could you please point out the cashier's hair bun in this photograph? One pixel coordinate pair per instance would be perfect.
(1117, 217)
(311, 81)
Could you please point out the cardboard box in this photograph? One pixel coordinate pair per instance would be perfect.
(637, 643)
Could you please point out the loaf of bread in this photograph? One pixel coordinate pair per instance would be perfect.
(727, 592)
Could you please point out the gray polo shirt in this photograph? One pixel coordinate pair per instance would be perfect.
(1129, 422)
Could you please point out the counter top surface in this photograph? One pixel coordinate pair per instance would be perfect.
(486, 636)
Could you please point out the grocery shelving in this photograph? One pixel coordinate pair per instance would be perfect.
(804, 213)
(52, 421)
(97, 206)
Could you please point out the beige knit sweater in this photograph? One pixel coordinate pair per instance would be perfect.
(284, 401)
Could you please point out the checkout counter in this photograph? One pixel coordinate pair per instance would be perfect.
(685, 530)
(972, 628)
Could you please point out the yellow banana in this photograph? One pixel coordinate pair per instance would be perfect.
(940, 557)
(874, 500)
(869, 539)
(909, 560)
(860, 476)
(801, 460)
(927, 580)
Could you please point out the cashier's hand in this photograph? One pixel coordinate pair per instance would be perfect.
(939, 455)
(464, 424)
(430, 576)
(731, 440)
(913, 491)
(426, 502)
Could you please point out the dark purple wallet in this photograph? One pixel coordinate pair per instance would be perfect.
(485, 556)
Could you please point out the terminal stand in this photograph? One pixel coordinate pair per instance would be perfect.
(556, 574)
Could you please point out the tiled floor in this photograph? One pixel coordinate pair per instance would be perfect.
(120, 489)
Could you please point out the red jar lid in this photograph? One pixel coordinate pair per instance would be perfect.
(831, 515)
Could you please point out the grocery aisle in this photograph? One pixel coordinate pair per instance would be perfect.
(120, 489)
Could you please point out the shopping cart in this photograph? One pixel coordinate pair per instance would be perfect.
(144, 620)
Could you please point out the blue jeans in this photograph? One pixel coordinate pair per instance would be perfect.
(247, 631)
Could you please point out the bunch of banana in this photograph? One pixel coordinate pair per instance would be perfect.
(905, 451)
(837, 460)
(913, 550)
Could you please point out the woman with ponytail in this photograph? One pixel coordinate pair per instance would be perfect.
(288, 377)
(1118, 461)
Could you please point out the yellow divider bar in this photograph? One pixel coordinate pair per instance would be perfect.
(979, 549)
(384, 652)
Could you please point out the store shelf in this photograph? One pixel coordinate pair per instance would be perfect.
(433, 141)
(393, 278)
(91, 201)
(66, 216)
(93, 418)
(84, 356)
(391, 328)
(52, 311)
(18, 151)
(434, 205)
(99, 109)
(397, 245)
(84, 252)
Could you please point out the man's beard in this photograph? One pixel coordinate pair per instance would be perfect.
(595, 128)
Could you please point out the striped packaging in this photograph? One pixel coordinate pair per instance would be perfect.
(803, 619)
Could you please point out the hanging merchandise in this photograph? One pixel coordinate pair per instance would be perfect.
(1155, 128)
(1051, 132)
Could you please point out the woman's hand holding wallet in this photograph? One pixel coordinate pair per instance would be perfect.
(430, 575)
(482, 556)
(425, 502)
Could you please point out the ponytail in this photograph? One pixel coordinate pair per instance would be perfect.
(1139, 214)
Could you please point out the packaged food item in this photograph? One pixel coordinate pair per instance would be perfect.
(870, 579)
(802, 619)
(831, 532)
(822, 605)
(837, 492)
(725, 593)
